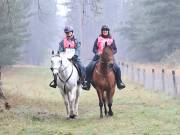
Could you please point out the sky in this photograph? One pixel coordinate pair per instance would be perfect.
(61, 9)
(61, 18)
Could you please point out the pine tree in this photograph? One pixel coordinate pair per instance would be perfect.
(13, 29)
(154, 29)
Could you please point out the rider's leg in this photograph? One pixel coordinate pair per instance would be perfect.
(89, 71)
(117, 72)
(82, 70)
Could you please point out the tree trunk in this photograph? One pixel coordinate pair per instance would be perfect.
(1, 92)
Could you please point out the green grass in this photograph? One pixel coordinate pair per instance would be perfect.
(38, 109)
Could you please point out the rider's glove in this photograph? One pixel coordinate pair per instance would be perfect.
(97, 56)
(74, 58)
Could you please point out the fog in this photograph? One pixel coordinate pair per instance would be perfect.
(144, 31)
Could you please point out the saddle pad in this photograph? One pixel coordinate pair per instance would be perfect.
(69, 53)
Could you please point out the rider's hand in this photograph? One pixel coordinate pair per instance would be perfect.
(75, 57)
(97, 56)
(98, 53)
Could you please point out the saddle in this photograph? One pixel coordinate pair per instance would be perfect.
(78, 70)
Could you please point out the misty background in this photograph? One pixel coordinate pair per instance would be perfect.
(145, 31)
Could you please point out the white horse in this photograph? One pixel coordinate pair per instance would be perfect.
(67, 81)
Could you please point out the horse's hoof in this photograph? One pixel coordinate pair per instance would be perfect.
(72, 116)
(110, 113)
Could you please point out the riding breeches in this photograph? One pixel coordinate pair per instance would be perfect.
(117, 72)
(82, 72)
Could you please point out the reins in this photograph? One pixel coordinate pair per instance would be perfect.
(65, 81)
(109, 62)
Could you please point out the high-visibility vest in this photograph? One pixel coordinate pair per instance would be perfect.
(69, 43)
(101, 43)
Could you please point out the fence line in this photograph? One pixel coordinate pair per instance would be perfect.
(152, 79)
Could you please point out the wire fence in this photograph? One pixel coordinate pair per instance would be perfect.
(153, 78)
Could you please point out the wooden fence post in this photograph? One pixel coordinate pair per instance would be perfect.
(132, 73)
(144, 77)
(122, 65)
(174, 84)
(138, 74)
(153, 78)
(127, 70)
(163, 80)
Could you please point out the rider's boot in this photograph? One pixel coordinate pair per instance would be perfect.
(120, 84)
(89, 70)
(86, 85)
(54, 85)
(82, 74)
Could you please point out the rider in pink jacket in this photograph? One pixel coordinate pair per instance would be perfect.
(71, 42)
(97, 50)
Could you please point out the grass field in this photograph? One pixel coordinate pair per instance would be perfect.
(38, 109)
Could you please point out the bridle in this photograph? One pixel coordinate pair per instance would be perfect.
(108, 63)
(66, 80)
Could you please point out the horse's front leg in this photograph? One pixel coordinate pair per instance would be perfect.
(110, 101)
(78, 92)
(71, 96)
(66, 102)
(110, 113)
(100, 102)
(105, 108)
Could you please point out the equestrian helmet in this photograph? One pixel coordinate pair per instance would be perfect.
(105, 27)
(68, 29)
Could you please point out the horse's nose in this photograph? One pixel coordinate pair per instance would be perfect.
(55, 71)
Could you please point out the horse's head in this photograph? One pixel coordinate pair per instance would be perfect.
(56, 62)
(107, 54)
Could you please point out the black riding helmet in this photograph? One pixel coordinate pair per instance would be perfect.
(105, 27)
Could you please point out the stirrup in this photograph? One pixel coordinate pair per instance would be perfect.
(121, 85)
(85, 85)
(52, 84)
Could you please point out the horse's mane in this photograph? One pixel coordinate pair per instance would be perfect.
(107, 52)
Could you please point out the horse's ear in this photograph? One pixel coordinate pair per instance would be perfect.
(58, 52)
(52, 52)
(105, 43)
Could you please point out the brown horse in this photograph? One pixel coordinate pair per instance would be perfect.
(103, 80)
